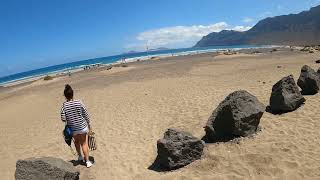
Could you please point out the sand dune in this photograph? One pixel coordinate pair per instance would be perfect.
(131, 110)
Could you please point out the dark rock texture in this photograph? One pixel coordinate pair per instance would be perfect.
(293, 29)
(285, 96)
(178, 149)
(45, 168)
(238, 115)
(309, 81)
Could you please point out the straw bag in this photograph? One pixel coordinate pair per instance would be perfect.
(92, 141)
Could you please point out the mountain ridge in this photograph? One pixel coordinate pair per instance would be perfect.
(292, 29)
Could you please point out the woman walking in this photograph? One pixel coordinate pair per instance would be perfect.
(74, 113)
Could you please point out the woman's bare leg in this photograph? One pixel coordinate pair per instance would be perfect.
(77, 144)
(85, 147)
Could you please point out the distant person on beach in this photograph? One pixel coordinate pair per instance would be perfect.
(74, 113)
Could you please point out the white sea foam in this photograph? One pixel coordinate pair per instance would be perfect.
(133, 59)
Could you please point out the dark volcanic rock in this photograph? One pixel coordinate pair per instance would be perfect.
(318, 61)
(45, 168)
(285, 96)
(309, 81)
(238, 115)
(178, 149)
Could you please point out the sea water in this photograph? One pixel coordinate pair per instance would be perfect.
(113, 59)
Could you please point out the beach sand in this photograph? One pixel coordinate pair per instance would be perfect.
(131, 107)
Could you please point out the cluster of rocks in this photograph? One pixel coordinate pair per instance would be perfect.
(108, 67)
(273, 50)
(310, 49)
(88, 67)
(48, 78)
(230, 53)
(286, 96)
(238, 115)
(256, 52)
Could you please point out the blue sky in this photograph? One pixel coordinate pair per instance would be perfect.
(38, 33)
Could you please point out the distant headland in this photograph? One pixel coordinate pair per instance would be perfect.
(294, 29)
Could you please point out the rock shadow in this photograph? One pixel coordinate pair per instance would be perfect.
(229, 139)
(156, 166)
(77, 163)
(269, 110)
(308, 93)
(219, 139)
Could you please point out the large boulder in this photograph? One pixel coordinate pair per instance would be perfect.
(178, 149)
(285, 96)
(309, 81)
(238, 115)
(45, 168)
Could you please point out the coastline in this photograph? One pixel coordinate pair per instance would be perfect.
(68, 71)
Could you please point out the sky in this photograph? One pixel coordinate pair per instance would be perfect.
(39, 33)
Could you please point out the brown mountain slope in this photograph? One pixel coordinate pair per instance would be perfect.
(293, 29)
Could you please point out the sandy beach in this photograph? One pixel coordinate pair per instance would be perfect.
(131, 107)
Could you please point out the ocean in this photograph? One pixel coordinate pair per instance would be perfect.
(112, 59)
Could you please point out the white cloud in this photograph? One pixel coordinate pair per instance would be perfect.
(177, 36)
(242, 28)
(247, 20)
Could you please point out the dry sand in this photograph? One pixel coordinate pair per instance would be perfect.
(132, 107)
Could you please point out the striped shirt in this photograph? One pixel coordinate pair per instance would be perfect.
(75, 114)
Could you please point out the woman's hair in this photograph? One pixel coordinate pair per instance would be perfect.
(68, 92)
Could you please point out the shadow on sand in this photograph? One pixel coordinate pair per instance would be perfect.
(219, 139)
(269, 110)
(228, 139)
(77, 163)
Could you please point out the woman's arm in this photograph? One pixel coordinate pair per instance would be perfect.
(63, 115)
(85, 114)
